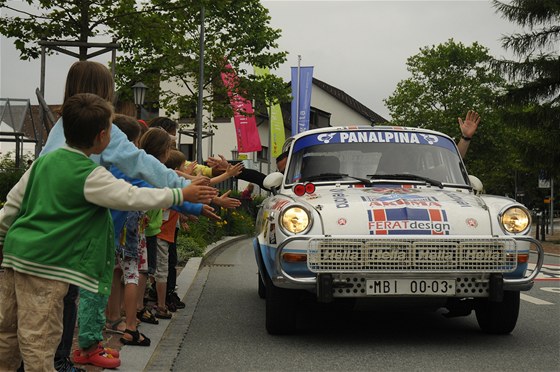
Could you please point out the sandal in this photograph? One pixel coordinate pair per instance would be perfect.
(162, 312)
(135, 339)
(113, 326)
(146, 316)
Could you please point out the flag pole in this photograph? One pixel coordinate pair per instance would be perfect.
(297, 93)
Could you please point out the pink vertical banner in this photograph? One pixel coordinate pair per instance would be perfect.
(246, 131)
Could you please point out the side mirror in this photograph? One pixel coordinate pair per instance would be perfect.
(476, 184)
(273, 181)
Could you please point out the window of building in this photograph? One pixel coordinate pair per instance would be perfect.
(263, 154)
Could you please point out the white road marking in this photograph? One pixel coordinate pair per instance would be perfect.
(534, 300)
(551, 289)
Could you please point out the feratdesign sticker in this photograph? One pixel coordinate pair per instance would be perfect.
(408, 221)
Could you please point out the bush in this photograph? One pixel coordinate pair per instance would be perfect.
(9, 174)
(205, 231)
(188, 247)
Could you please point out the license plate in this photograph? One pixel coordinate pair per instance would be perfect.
(418, 287)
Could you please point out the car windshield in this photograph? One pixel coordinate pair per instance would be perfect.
(358, 156)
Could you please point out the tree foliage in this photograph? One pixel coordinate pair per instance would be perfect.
(159, 41)
(167, 49)
(64, 20)
(446, 81)
(534, 94)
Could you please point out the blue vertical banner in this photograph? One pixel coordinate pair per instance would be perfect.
(301, 102)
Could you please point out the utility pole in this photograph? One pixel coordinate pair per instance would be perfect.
(200, 91)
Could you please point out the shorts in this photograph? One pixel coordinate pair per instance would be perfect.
(142, 255)
(162, 267)
(129, 267)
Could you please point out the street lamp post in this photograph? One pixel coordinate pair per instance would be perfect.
(139, 91)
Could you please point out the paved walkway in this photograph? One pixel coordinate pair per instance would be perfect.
(136, 358)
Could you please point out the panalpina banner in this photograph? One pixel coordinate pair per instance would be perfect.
(277, 135)
(246, 131)
(301, 102)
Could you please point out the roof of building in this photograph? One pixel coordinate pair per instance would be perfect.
(350, 102)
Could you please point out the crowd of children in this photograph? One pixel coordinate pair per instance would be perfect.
(91, 228)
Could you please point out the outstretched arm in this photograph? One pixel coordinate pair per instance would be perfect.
(231, 171)
(468, 129)
(225, 201)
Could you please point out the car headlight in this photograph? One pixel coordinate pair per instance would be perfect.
(515, 220)
(295, 219)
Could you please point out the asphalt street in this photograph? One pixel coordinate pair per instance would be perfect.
(223, 330)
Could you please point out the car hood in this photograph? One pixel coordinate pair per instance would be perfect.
(399, 211)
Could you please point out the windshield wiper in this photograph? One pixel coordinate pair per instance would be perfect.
(405, 176)
(323, 176)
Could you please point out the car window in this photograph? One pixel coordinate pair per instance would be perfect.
(339, 160)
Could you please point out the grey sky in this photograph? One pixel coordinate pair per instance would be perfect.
(360, 47)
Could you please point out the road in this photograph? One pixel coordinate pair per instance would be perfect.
(223, 330)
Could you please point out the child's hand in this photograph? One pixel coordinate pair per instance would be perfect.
(207, 211)
(234, 170)
(189, 169)
(184, 219)
(184, 175)
(225, 201)
(200, 180)
(199, 194)
(218, 163)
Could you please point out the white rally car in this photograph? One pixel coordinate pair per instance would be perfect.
(389, 213)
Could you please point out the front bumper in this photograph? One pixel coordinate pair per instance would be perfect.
(480, 259)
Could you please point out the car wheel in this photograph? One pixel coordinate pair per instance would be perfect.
(281, 310)
(498, 317)
(262, 286)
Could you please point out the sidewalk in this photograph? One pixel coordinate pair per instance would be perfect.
(551, 245)
(136, 358)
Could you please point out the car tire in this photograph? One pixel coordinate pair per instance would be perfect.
(281, 310)
(498, 317)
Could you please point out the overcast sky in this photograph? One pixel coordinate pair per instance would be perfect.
(360, 47)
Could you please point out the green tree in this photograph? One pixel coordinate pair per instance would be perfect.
(446, 81)
(534, 94)
(236, 33)
(67, 20)
(159, 42)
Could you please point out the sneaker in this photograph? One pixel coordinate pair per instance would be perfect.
(98, 357)
(114, 352)
(162, 313)
(66, 365)
(171, 306)
(173, 297)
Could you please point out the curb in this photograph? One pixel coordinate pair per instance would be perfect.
(136, 358)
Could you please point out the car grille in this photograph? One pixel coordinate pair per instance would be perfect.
(406, 255)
